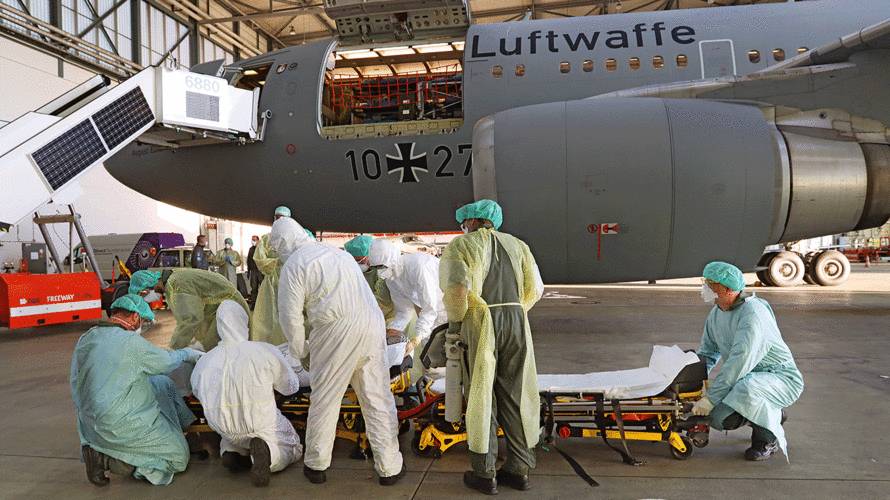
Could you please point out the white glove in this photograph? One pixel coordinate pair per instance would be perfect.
(702, 407)
(192, 355)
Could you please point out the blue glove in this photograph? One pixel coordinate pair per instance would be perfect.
(192, 355)
(229, 260)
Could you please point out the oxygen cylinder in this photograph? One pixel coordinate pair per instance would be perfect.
(453, 375)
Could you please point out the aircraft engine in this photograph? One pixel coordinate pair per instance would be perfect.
(595, 185)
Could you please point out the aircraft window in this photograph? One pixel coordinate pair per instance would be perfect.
(778, 54)
(565, 67)
(634, 63)
(252, 78)
(519, 70)
(611, 64)
(587, 66)
(682, 61)
(754, 56)
(801, 50)
(497, 71)
(658, 62)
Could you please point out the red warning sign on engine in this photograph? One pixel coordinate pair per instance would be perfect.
(609, 228)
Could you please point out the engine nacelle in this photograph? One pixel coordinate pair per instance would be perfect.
(594, 186)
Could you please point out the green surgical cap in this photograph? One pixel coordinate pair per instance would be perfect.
(725, 274)
(282, 210)
(134, 303)
(485, 209)
(142, 280)
(358, 246)
(229, 241)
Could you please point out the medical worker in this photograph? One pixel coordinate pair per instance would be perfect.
(490, 281)
(228, 260)
(201, 256)
(130, 415)
(193, 296)
(347, 346)
(759, 376)
(235, 383)
(413, 282)
(264, 326)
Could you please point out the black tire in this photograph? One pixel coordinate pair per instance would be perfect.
(786, 269)
(808, 278)
(428, 452)
(830, 268)
(763, 277)
(120, 289)
(685, 454)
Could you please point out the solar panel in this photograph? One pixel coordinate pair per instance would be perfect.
(69, 154)
(123, 117)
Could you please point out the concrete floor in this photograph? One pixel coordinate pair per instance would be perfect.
(837, 443)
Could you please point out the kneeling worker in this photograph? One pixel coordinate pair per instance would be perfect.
(130, 415)
(235, 382)
(759, 376)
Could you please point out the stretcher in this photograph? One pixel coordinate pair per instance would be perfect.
(644, 404)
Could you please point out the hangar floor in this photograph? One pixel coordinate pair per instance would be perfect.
(837, 441)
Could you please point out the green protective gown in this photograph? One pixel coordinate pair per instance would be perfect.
(759, 376)
(193, 296)
(501, 363)
(229, 270)
(264, 326)
(126, 408)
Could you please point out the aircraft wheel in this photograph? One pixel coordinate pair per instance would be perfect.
(830, 268)
(683, 455)
(786, 269)
(763, 275)
(808, 278)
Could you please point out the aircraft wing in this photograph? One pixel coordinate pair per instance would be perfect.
(876, 36)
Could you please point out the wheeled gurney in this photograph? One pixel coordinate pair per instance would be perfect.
(642, 404)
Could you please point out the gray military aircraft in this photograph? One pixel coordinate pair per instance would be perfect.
(624, 147)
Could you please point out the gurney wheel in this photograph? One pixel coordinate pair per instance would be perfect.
(404, 427)
(428, 452)
(685, 454)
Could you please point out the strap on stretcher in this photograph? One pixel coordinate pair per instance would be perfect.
(601, 423)
(549, 439)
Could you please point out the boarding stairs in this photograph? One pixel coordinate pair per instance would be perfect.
(44, 151)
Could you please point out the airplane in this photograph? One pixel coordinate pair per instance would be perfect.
(626, 147)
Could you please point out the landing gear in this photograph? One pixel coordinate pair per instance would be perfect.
(829, 268)
(785, 269)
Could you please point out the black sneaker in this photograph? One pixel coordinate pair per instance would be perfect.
(315, 476)
(515, 481)
(761, 452)
(480, 484)
(95, 463)
(391, 480)
(236, 462)
(262, 460)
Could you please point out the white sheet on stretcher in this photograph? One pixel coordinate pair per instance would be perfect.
(664, 366)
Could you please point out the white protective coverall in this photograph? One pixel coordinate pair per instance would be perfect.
(235, 382)
(347, 344)
(413, 282)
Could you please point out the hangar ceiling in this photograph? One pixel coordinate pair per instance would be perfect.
(292, 22)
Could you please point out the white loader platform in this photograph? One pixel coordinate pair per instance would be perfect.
(44, 151)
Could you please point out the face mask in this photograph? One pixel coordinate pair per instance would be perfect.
(228, 246)
(385, 273)
(707, 294)
(253, 243)
(364, 267)
(152, 297)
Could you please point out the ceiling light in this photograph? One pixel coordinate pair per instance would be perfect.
(358, 54)
(250, 72)
(396, 51)
(436, 47)
(458, 45)
(262, 82)
(293, 31)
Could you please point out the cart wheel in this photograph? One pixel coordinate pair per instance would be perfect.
(699, 439)
(404, 427)
(428, 452)
(685, 454)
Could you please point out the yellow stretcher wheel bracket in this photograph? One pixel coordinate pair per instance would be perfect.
(681, 446)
